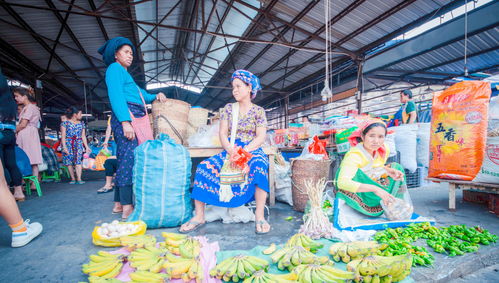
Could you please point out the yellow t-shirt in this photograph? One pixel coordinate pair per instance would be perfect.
(356, 158)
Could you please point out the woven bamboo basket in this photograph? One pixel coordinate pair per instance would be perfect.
(198, 117)
(171, 118)
(302, 169)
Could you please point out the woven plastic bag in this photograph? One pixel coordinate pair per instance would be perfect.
(161, 181)
(459, 130)
(98, 240)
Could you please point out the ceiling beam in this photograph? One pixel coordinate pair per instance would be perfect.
(99, 21)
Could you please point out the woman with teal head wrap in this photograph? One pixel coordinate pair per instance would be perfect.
(250, 135)
(125, 97)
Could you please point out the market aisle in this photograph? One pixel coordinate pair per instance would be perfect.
(69, 213)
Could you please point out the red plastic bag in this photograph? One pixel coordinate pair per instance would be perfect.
(459, 130)
(241, 158)
(318, 147)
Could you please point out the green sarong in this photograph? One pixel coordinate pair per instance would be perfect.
(370, 203)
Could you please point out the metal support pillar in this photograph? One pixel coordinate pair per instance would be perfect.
(360, 86)
(286, 112)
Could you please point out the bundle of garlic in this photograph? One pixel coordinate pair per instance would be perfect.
(317, 223)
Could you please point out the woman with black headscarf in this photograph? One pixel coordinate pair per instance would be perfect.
(127, 99)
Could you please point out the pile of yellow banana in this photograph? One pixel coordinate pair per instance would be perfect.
(148, 258)
(183, 245)
(381, 269)
(307, 273)
(304, 241)
(148, 277)
(104, 264)
(186, 269)
(238, 268)
(347, 252)
(263, 277)
(289, 257)
(135, 242)
(94, 279)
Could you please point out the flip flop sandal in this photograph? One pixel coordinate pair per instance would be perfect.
(196, 224)
(104, 190)
(261, 222)
(80, 182)
(72, 182)
(117, 212)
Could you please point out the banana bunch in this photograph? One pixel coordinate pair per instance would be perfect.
(347, 252)
(289, 257)
(190, 248)
(183, 245)
(148, 277)
(381, 269)
(148, 258)
(135, 242)
(104, 264)
(186, 269)
(263, 277)
(94, 279)
(238, 268)
(304, 241)
(307, 273)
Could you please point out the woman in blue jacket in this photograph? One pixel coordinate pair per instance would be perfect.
(126, 98)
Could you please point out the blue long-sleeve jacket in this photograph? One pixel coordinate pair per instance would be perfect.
(122, 89)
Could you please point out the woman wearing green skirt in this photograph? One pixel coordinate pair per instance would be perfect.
(364, 179)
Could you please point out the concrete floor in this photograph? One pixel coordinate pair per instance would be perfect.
(69, 213)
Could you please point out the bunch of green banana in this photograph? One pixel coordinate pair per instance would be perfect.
(304, 241)
(375, 268)
(148, 258)
(94, 279)
(186, 269)
(190, 248)
(104, 264)
(263, 277)
(239, 267)
(307, 273)
(135, 242)
(149, 277)
(289, 257)
(183, 245)
(347, 252)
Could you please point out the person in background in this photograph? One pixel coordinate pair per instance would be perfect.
(28, 138)
(127, 99)
(250, 135)
(408, 108)
(8, 137)
(110, 166)
(73, 140)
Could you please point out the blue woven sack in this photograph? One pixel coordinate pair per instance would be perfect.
(161, 178)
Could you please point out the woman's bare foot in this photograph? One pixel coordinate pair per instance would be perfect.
(117, 208)
(262, 226)
(18, 194)
(127, 210)
(192, 224)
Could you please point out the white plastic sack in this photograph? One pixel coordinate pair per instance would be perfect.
(206, 136)
(489, 173)
(390, 141)
(406, 143)
(423, 146)
(283, 185)
(241, 214)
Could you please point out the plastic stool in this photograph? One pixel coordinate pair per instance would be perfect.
(64, 171)
(56, 176)
(27, 185)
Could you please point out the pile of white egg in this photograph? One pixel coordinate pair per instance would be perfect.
(116, 229)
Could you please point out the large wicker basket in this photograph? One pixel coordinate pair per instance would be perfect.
(171, 118)
(302, 169)
(198, 117)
